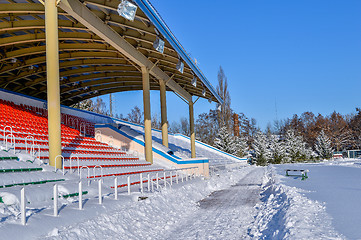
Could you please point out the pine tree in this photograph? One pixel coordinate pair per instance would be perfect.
(261, 149)
(323, 146)
(226, 142)
(242, 146)
(277, 149)
(295, 147)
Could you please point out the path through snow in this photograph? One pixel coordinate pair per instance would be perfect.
(224, 214)
(245, 203)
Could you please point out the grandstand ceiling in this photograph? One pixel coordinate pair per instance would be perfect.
(90, 65)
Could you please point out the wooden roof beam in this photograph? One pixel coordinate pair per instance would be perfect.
(85, 16)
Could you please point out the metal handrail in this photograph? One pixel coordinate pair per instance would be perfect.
(62, 161)
(71, 157)
(12, 139)
(26, 142)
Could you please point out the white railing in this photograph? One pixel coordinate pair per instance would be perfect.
(98, 137)
(111, 141)
(88, 176)
(31, 138)
(11, 132)
(12, 142)
(62, 161)
(101, 171)
(80, 128)
(70, 161)
(32, 151)
(151, 182)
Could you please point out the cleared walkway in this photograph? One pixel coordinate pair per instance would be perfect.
(225, 214)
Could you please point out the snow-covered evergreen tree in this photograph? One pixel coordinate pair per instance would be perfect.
(261, 148)
(296, 149)
(277, 149)
(226, 142)
(242, 146)
(323, 146)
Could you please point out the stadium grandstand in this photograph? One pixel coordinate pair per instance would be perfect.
(55, 53)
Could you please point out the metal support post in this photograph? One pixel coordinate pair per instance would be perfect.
(149, 182)
(141, 182)
(55, 196)
(165, 180)
(100, 191)
(147, 116)
(157, 176)
(191, 128)
(23, 207)
(115, 188)
(53, 87)
(163, 107)
(171, 178)
(80, 196)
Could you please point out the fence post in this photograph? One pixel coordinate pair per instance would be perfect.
(116, 188)
(141, 182)
(148, 182)
(165, 180)
(100, 191)
(78, 165)
(80, 196)
(152, 186)
(157, 180)
(176, 176)
(55, 196)
(23, 207)
(128, 185)
(171, 178)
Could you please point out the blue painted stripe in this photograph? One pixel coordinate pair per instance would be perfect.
(154, 17)
(163, 154)
(208, 146)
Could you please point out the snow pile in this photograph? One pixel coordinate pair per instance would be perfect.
(287, 214)
(152, 218)
(9, 205)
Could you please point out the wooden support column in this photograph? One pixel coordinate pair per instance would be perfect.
(147, 117)
(163, 107)
(53, 88)
(191, 128)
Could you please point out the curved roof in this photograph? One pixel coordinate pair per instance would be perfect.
(95, 59)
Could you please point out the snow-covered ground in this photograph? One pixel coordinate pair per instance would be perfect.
(335, 185)
(244, 203)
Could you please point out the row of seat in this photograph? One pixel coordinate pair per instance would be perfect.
(30, 121)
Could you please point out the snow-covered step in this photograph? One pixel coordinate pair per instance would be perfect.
(25, 178)
(17, 166)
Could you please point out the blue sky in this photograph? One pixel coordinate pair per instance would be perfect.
(299, 55)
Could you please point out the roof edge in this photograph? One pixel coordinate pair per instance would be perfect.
(159, 23)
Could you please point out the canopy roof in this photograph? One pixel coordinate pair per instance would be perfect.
(92, 59)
